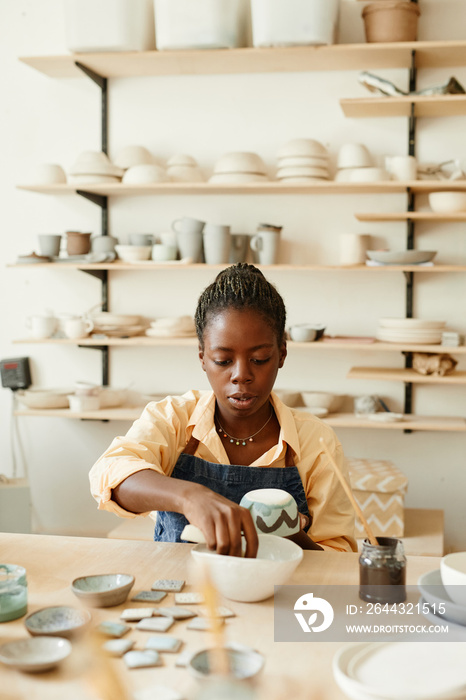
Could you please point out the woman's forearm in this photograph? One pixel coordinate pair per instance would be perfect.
(148, 490)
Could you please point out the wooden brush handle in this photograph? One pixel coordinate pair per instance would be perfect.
(349, 493)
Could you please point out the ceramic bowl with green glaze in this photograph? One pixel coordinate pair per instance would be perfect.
(103, 590)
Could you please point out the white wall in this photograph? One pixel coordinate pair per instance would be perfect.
(47, 120)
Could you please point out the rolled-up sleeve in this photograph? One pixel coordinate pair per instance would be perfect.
(154, 441)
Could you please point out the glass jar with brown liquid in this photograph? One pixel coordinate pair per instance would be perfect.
(382, 571)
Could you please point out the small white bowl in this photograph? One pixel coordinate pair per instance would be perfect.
(302, 147)
(129, 156)
(103, 590)
(185, 173)
(322, 399)
(354, 155)
(181, 159)
(36, 654)
(133, 253)
(57, 621)
(83, 403)
(453, 574)
(144, 174)
(303, 161)
(236, 178)
(240, 162)
(43, 398)
(444, 202)
(244, 663)
(369, 175)
(93, 179)
(94, 163)
(47, 174)
(249, 580)
(302, 333)
(302, 172)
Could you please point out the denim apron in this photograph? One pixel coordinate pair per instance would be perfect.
(231, 481)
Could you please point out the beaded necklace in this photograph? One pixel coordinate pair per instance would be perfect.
(243, 441)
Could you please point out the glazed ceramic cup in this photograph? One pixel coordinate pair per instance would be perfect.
(103, 244)
(188, 225)
(49, 244)
(266, 245)
(13, 592)
(353, 247)
(274, 511)
(189, 237)
(163, 252)
(41, 326)
(77, 327)
(217, 241)
(239, 247)
(402, 168)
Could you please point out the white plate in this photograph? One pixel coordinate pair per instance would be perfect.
(401, 670)
(433, 592)
(415, 339)
(315, 411)
(36, 654)
(411, 323)
(301, 171)
(385, 417)
(105, 318)
(401, 257)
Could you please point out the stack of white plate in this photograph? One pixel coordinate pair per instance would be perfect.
(239, 167)
(177, 327)
(302, 160)
(410, 330)
(118, 325)
(94, 167)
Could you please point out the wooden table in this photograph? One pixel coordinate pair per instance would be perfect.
(53, 562)
(423, 536)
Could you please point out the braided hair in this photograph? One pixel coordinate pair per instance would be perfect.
(241, 286)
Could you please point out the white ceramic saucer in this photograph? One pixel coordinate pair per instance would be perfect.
(36, 654)
(434, 593)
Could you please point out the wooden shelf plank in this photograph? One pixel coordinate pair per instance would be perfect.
(424, 106)
(411, 216)
(143, 341)
(252, 60)
(425, 423)
(336, 420)
(404, 375)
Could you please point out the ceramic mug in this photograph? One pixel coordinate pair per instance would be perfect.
(402, 168)
(353, 247)
(103, 244)
(49, 244)
(266, 244)
(163, 252)
(217, 241)
(239, 247)
(77, 327)
(141, 239)
(42, 326)
(188, 225)
(189, 237)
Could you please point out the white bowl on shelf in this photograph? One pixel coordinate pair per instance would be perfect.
(83, 403)
(130, 156)
(144, 174)
(240, 162)
(322, 399)
(302, 147)
(93, 179)
(181, 159)
(46, 174)
(185, 173)
(410, 323)
(303, 161)
(236, 178)
(302, 171)
(43, 398)
(446, 202)
(133, 253)
(453, 574)
(401, 257)
(354, 155)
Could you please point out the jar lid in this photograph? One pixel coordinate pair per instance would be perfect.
(392, 5)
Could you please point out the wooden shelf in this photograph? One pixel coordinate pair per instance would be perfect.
(149, 266)
(336, 420)
(252, 60)
(404, 375)
(271, 187)
(424, 106)
(143, 341)
(411, 216)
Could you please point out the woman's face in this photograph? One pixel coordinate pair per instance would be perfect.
(241, 358)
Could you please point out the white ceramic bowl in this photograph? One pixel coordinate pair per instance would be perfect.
(106, 318)
(57, 621)
(354, 155)
(322, 399)
(301, 180)
(185, 173)
(94, 163)
(129, 156)
(250, 580)
(44, 398)
(302, 147)
(112, 398)
(236, 178)
(103, 590)
(93, 179)
(369, 175)
(47, 174)
(302, 161)
(181, 159)
(410, 323)
(240, 162)
(447, 201)
(36, 654)
(144, 174)
(302, 171)
(245, 664)
(274, 511)
(133, 253)
(453, 573)
(345, 174)
(83, 403)
(302, 333)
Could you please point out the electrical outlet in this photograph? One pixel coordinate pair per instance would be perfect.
(16, 373)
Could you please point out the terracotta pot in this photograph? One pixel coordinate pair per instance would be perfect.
(78, 243)
(391, 20)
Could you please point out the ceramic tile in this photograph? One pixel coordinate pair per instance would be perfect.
(188, 598)
(118, 647)
(149, 596)
(113, 629)
(168, 584)
(142, 659)
(203, 624)
(177, 613)
(221, 611)
(155, 624)
(136, 614)
(163, 642)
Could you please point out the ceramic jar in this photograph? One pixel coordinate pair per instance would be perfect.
(382, 571)
(78, 243)
(391, 20)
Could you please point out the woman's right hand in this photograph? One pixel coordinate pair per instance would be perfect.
(221, 521)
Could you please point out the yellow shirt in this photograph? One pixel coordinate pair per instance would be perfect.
(158, 437)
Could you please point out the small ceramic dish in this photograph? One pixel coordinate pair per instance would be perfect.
(103, 590)
(401, 257)
(384, 417)
(37, 654)
(43, 398)
(133, 253)
(57, 621)
(244, 663)
(47, 174)
(322, 399)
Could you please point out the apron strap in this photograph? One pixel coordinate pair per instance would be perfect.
(192, 445)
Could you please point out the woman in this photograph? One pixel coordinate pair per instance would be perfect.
(193, 457)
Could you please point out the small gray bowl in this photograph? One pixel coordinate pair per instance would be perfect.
(36, 654)
(57, 621)
(244, 663)
(103, 590)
